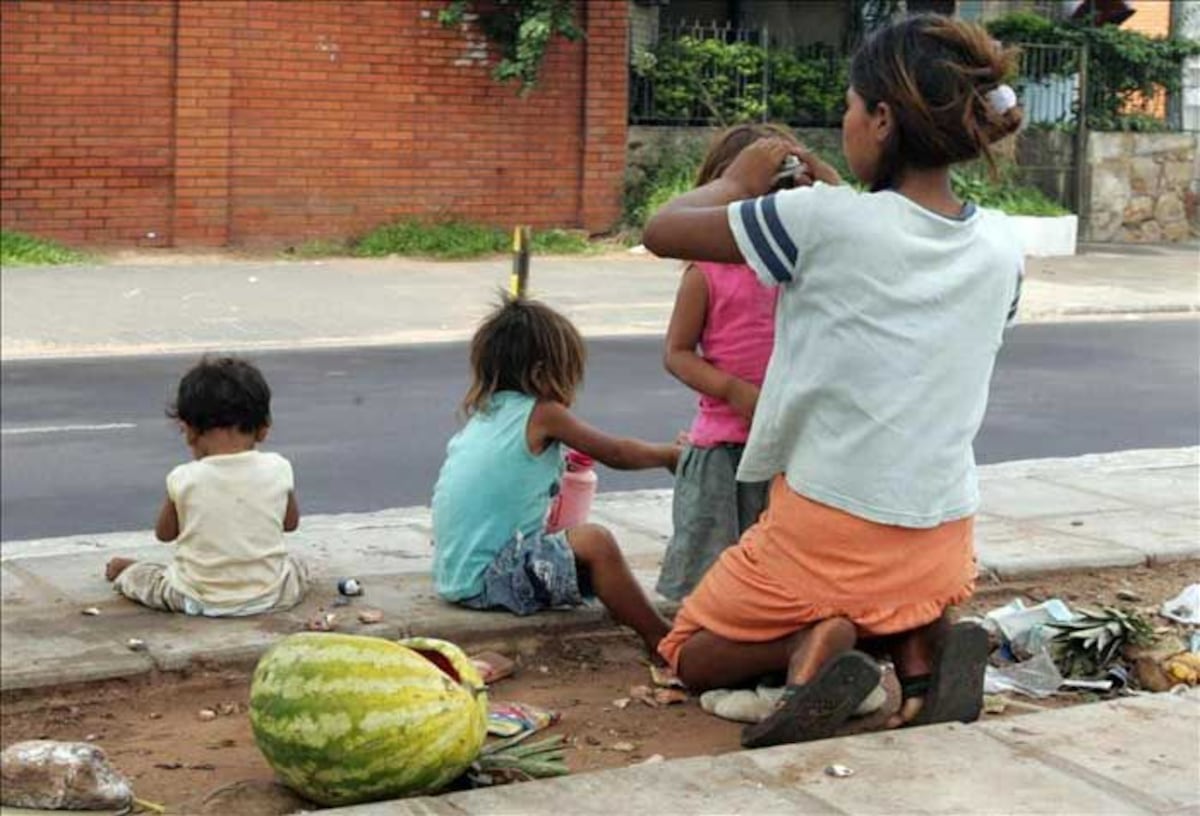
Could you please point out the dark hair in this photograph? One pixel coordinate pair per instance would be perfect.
(223, 392)
(934, 73)
(729, 143)
(524, 346)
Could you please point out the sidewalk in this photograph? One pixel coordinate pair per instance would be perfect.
(1106, 510)
(1129, 756)
(157, 304)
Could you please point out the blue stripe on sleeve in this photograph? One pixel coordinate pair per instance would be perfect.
(771, 216)
(762, 246)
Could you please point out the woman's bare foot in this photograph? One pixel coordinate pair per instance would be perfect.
(115, 566)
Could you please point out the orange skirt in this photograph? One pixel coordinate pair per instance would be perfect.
(805, 562)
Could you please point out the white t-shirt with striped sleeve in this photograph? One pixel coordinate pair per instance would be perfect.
(887, 329)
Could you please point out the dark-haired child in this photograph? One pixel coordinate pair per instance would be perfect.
(503, 468)
(227, 510)
(891, 310)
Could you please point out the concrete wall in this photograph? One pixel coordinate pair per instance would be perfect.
(1143, 186)
(233, 122)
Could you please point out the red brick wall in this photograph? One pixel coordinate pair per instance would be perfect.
(85, 122)
(254, 121)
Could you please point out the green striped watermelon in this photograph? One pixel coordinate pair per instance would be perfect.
(345, 719)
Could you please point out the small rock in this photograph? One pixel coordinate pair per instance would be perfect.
(349, 587)
(154, 715)
(994, 704)
(136, 645)
(839, 771)
(1128, 595)
(591, 740)
(544, 669)
(206, 715)
(91, 737)
(226, 709)
(644, 694)
(370, 616)
(1076, 523)
(623, 747)
(621, 702)
(52, 775)
(91, 611)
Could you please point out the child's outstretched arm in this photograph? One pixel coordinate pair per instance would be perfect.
(167, 527)
(680, 357)
(291, 516)
(554, 421)
(695, 227)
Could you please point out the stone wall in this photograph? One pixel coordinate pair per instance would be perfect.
(1144, 187)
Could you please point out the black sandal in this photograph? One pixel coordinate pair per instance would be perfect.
(816, 710)
(954, 691)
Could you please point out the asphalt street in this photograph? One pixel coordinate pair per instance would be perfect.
(85, 445)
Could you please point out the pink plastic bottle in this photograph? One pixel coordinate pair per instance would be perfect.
(571, 506)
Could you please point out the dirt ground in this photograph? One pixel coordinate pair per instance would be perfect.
(151, 730)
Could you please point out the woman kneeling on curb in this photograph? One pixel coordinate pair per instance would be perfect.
(892, 307)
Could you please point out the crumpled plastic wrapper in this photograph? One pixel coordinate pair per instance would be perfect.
(56, 775)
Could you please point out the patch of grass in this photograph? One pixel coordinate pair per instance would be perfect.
(19, 249)
(456, 240)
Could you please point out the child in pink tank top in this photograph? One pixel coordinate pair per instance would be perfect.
(718, 344)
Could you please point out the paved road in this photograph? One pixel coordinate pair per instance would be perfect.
(85, 444)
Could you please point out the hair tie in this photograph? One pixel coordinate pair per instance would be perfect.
(1002, 99)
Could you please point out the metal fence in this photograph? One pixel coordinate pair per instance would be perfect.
(717, 74)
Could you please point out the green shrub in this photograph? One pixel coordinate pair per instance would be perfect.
(973, 183)
(19, 249)
(456, 240)
(708, 80)
(1124, 66)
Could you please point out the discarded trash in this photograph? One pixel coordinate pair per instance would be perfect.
(1128, 595)
(1037, 677)
(1183, 668)
(663, 677)
(53, 775)
(1088, 685)
(1088, 645)
(321, 623)
(136, 645)
(643, 694)
(622, 702)
(510, 719)
(623, 747)
(206, 715)
(1184, 607)
(370, 616)
(994, 704)
(839, 771)
(670, 696)
(90, 611)
(226, 709)
(1021, 628)
(349, 587)
(493, 666)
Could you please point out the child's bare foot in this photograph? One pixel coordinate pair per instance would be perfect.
(115, 566)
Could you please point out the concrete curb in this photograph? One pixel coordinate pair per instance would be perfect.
(1103, 510)
(1135, 756)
